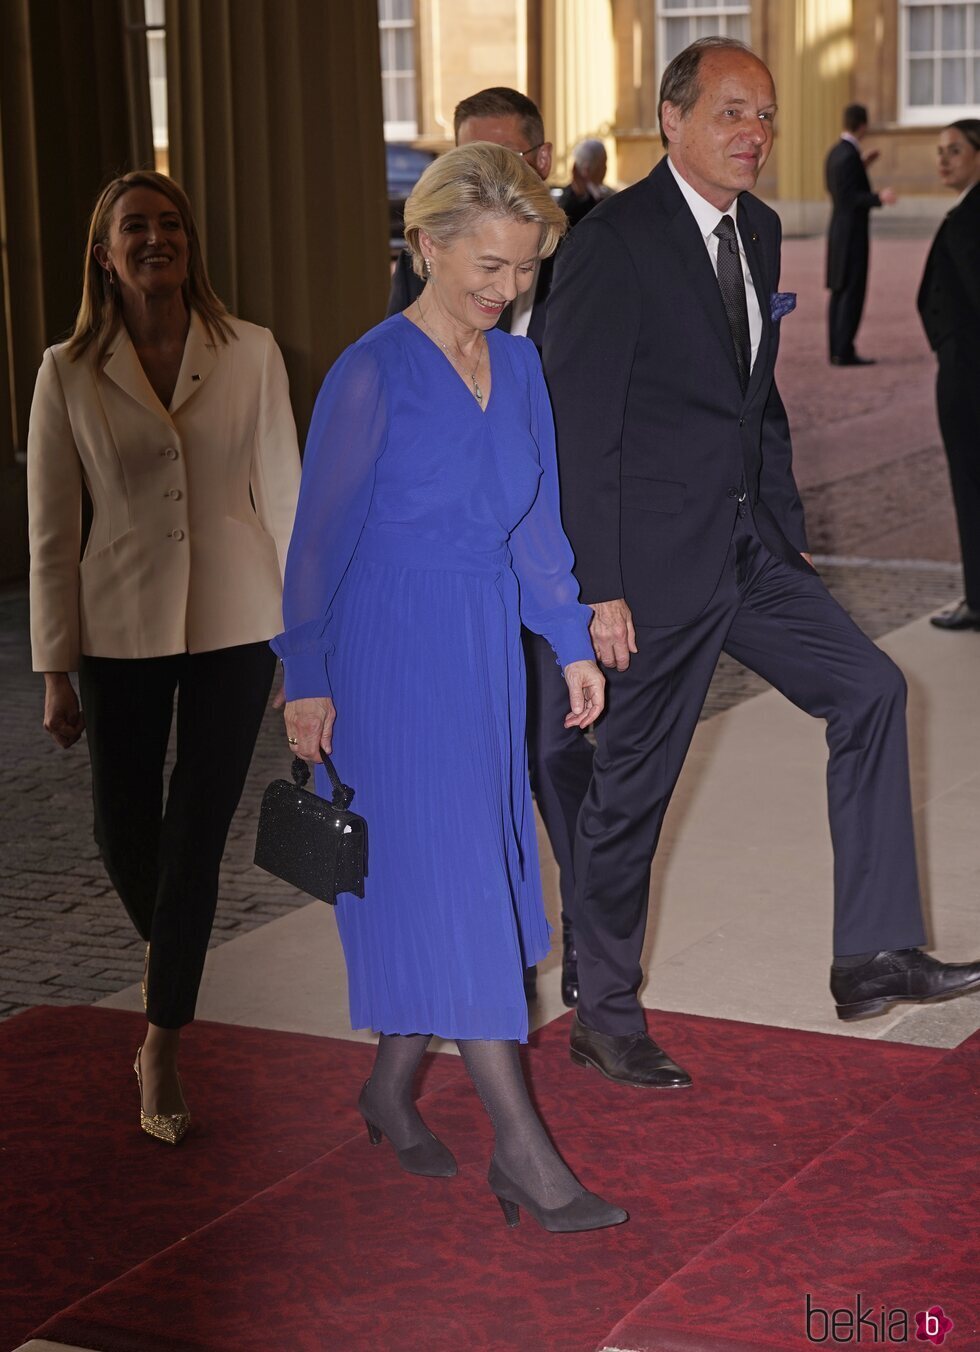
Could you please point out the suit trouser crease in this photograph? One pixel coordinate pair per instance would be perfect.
(958, 404)
(845, 311)
(781, 622)
(164, 858)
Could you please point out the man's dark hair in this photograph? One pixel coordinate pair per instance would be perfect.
(970, 127)
(855, 117)
(502, 102)
(680, 84)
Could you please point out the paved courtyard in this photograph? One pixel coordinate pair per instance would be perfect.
(873, 478)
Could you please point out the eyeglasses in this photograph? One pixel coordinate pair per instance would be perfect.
(531, 150)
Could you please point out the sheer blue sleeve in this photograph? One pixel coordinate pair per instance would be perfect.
(541, 554)
(347, 437)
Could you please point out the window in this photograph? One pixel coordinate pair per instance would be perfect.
(681, 22)
(939, 75)
(396, 20)
(156, 56)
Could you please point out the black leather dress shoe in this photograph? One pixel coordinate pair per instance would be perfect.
(569, 966)
(905, 974)
(960, 617)
(632, 1059)
(530, 983)
(854, 360)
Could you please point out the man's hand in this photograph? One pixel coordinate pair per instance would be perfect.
(612, 633)
(310, 722)
(888, 196)
(63, 717)
(869, 158)
(586, 693)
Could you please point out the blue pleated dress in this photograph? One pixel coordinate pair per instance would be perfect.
(427, 530)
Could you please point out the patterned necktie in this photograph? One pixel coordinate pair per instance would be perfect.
(731, 281)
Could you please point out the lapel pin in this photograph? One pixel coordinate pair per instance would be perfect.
(755, 237)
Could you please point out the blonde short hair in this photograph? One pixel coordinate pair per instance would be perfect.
(472, 182)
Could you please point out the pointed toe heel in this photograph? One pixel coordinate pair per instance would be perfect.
(171, 1128)
(428, 1158)
(587, 1211)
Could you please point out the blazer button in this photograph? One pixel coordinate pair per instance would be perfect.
(176, 535)
(174, 493)
(733, 493)
(170, 452)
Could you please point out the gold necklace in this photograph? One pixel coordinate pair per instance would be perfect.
(478, 392)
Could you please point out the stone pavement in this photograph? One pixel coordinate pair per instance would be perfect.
(874, 484)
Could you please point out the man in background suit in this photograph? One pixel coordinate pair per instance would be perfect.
(559, 758)
(846, 172)
(679, 501)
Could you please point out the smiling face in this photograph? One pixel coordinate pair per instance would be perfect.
(148, 248)
(721, 144)
(958, 161)
(481, 271)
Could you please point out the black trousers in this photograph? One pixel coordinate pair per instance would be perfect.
(782, 623)
(958, 402)
(845, 310)
(559, 759)
(163, 860)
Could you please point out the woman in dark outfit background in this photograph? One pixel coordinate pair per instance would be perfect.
(949, 304)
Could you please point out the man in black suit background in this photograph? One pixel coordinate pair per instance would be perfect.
(559, 758)
(846, 173)
(679, 501)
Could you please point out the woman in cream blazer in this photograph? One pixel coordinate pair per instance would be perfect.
(174, 417)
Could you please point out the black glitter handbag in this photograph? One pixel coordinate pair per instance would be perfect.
(316, 845)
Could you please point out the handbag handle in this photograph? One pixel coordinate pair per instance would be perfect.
(342, 793)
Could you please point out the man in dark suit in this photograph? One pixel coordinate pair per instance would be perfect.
(846, 172)
(559, 758)
(679, 501)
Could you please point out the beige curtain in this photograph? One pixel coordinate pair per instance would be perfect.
(74, 109)
(275, 127)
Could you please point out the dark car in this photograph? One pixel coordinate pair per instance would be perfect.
(405, 166)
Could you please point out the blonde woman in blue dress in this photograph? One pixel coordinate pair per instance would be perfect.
(427, 532)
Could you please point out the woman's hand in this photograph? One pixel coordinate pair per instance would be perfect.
(63, 717)
(586, 693)
(310, 722)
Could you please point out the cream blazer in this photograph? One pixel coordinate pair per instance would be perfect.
(193, 505)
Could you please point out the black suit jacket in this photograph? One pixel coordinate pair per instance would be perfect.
(949, 297)
(654, 434)
(407, 286)
(852, 197)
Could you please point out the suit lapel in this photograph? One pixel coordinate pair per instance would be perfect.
(690, 247)
(756, 259)
(124, 369)
(198, 362)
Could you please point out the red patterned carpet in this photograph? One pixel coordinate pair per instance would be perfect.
(799, 1164)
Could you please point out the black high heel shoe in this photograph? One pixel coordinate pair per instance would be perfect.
(585, 1212)
(429, 1158)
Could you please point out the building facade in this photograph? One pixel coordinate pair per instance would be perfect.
(594, 67)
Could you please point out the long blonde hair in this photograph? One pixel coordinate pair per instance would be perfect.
(475, 180)
(100, 313)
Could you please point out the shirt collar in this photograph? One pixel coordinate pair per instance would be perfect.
(851, 140)
(706, 215)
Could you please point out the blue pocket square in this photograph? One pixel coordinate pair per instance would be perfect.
(780, 303)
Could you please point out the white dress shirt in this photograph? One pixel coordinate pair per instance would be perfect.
(707, 217)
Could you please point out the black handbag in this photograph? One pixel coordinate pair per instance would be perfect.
(315, 845)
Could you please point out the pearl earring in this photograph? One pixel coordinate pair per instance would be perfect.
(428, 267)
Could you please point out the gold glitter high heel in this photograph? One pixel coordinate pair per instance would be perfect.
(146, 972)
(169, 1127)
